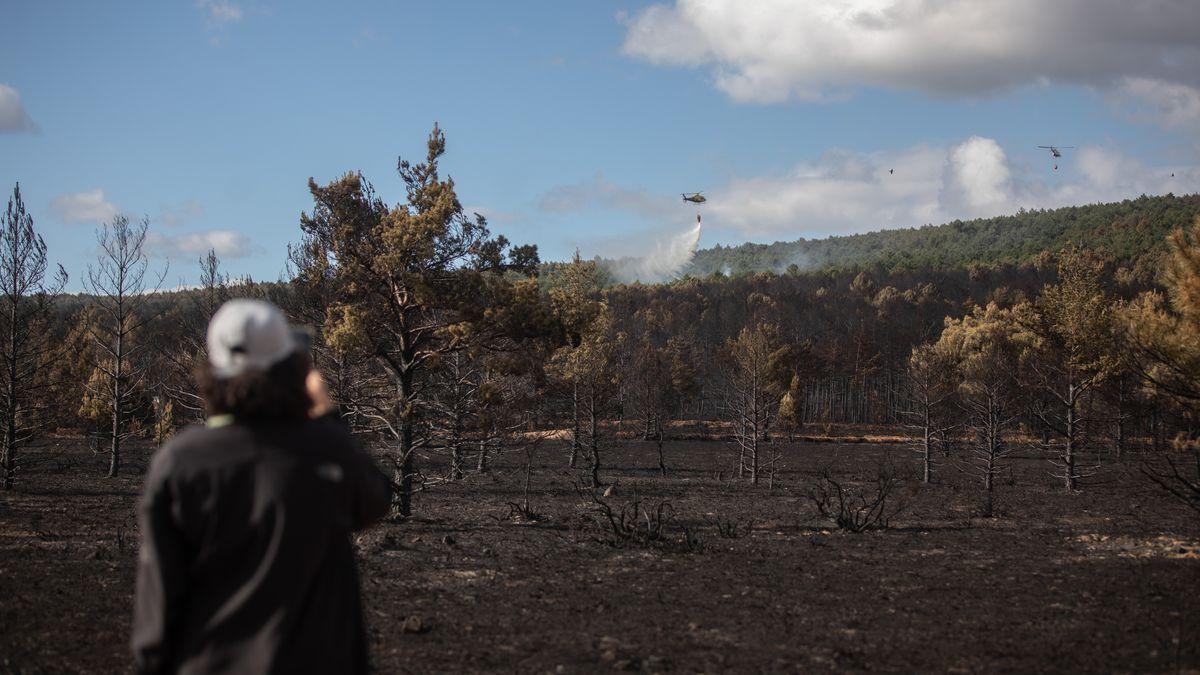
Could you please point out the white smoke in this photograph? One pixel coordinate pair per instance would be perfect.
(666, 259)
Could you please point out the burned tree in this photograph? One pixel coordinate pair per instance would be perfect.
(652, 394)
(575, 308)
(1165, 335)
(403, 285)
(589, 370)
(121, 294)
(755, 374)
(453, 406)
(1165, 331)
(478, 401)
(182, 347)
(1068, 355)
(931, 385)
(26, 350)
(862, 507)
(985, 346)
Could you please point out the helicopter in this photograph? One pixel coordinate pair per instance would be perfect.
(1056, 151)
(694, 197)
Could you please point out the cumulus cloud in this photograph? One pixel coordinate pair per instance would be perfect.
(174, 216)
(773, 50)
(977, 177)
(226, 243)
(843, 192)
(13, 118)
(1173, 106)
(86, 207)
(599, 191)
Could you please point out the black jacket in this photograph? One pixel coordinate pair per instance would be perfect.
(246, 564)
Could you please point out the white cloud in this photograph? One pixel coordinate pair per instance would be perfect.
(226, 243)
(843, 192)
(1173, 106)
(174, 216)
(773, 50)
(601, 192)
(13, 118)
(977, 178)
(86, 207)
(220, 12)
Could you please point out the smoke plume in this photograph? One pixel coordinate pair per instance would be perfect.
(665, 259)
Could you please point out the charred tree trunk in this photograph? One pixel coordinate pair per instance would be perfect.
(11, 404)
(574, 456)
(482, 465)
(118, 408)
(927, 449)
(403, 475)
(594, 442)
(662, 465)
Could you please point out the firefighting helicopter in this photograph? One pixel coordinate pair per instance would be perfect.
(1056, 151)
(694, 197)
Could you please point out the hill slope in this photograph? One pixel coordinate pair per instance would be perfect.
(1132, 231)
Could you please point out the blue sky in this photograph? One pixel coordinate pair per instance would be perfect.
(577, 124)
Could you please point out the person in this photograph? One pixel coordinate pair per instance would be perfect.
(246, 563)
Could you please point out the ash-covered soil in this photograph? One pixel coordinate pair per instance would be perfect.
(740, 578)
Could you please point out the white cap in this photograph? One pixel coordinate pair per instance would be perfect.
(248, 335)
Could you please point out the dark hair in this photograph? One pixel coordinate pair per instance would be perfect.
(277, 393)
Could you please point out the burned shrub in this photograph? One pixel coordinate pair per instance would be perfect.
(1178, 475)
(635, 525)
(856, 509)
(729, 528)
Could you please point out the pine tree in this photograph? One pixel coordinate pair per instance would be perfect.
(26, 350)
(405, 285)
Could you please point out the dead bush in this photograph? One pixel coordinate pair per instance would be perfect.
(1179, 475)
(859, 508)
(728, 528)
(634, 524)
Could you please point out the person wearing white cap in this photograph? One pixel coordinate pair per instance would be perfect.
(246, 564)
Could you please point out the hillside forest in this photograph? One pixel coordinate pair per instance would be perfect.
(1075, 331)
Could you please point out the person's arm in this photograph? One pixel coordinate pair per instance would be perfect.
(370, 490)
(161, 574)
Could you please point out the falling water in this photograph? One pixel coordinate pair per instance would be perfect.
(665, 259)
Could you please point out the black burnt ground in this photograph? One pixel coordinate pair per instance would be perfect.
(1101, 580)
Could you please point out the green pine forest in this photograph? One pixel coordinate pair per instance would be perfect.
(1132, 232)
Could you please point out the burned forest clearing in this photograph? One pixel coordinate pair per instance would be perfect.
(710, 575)
(948, 421)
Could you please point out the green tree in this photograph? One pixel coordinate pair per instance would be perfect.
(405, 285)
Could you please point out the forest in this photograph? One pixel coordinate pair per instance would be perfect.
(1131, 233)
(793, 398)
